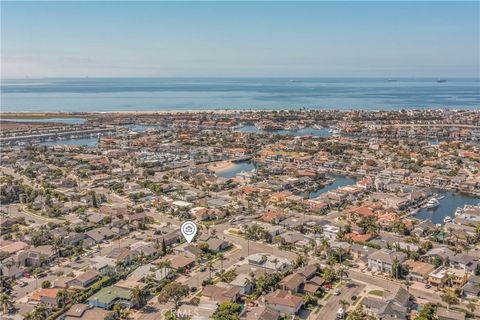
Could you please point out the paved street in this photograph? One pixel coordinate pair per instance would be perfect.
(329, 310)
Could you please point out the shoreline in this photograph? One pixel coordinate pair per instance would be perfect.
(48, 115)
(221, 166)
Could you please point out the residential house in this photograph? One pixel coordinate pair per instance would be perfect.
(244, 282)
(260, 313)
(109, 296)
(85, 312)
(293, 282)
(418, 270)
(393, 305)
(85, 279)
(47, 296)
(284, 302)
(446, 314)
(382, 260)
(221, 292)
(444, 276)
(471, 289)
(36, 256)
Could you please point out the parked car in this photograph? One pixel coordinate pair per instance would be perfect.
(340, 313)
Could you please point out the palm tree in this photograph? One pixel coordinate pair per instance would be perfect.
(408, 284)
(449, 298)
(210, 268)
(344, 304)
(120, 313)
(340, 252)
(275, 261)
(449, 278)
(138, 296)
(40, 312)
(342, 272)
(62, 297)
(221, 257)
(57, 244)
(249, 282)
(5, 302)
(325, 247)
(300, 261)
(119, 265)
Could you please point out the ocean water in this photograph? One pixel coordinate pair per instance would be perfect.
(172, 94)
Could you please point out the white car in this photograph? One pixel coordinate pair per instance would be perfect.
(340, 313)
(336, 292)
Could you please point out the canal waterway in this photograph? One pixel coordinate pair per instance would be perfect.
(237, 167)
(340, 181)
(447, 207)
(308, 131)
(87, 142)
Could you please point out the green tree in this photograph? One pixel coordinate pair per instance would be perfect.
(138, 296)
(40, 312)
(5, 302)
(227, 311)
(428, 312)
(450, 298)
(173, 292)
(164, 247)
(359, 314)
(342, 273)
(120, 312)
(62, 298)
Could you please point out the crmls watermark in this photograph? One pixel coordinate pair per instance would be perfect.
(182, 314)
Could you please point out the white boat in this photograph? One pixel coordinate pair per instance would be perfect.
(440, 197)
(447, 219)
(432, 203)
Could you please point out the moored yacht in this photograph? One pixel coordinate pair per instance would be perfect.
(432, 203)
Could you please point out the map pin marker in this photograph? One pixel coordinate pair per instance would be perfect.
(189, 230)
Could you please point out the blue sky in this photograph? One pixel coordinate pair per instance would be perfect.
(386, 39)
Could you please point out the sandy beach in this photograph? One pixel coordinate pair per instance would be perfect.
(221, 166)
